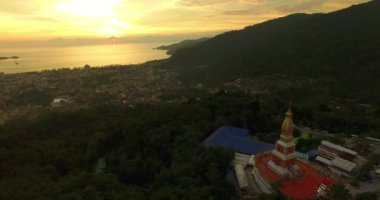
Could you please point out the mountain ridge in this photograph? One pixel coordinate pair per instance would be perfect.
(309, 45)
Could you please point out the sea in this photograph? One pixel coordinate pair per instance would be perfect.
(46, 58)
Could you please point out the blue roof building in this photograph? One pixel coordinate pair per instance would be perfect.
(237, 139)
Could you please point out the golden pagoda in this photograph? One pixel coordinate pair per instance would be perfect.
(284, 155)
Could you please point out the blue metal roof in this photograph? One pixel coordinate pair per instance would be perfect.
(237, 139)
(312, 153)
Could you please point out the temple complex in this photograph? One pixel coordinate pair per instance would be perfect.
(299, 178)
(258, 165)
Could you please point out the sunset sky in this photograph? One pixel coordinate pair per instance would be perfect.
(48, 19)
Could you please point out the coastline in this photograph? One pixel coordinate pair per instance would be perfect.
(88, 67)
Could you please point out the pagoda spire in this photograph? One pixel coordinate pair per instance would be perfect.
(289, 112)
(287, 127)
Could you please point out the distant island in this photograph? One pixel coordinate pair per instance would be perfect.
(184, 44)
(10, 57)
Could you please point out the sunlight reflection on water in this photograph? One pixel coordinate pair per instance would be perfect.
(42, 58)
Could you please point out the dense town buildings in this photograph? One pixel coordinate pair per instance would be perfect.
(30, 93)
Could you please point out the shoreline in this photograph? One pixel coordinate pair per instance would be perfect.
(87, 67)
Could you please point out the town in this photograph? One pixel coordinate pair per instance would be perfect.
(27, 94)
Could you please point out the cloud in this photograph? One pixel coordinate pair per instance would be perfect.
(202, 2)
(16, 7)
(241, 12)
(302, 6)
(253, 2)
(39, 18)
(43, 18)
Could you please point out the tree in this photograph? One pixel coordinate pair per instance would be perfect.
(255, 107)
(323, 107)
(367, 196)
(338, 192)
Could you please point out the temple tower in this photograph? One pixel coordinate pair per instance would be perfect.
(284, 156)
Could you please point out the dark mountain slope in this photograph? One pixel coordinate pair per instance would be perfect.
(180, 45)
(344, 44)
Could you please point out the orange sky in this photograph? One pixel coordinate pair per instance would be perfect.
(47, 19)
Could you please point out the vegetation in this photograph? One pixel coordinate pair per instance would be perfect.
(150, 152)
(305, 145)
(360, 174)
(33, 96)
(367, 196)
(338, 191)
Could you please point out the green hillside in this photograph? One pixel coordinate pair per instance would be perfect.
(343, 46)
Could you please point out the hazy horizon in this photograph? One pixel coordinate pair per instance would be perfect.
(112, 40)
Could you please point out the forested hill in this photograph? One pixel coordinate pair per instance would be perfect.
(343, 44)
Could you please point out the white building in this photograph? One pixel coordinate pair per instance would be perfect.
(339, 159)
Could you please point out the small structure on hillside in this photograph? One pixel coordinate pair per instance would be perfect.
(61, 101)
